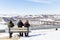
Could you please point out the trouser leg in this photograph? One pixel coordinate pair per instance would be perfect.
(27, 33)
(21, 33)
(10, 35)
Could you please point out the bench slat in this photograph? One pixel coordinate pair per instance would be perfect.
(15, 30)
(18, 28)
(19, 31)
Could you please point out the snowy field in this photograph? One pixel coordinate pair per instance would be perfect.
(38, 34)
(48, 34)
(44, 34)
(2, 27)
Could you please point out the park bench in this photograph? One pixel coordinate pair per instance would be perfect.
(17, 30)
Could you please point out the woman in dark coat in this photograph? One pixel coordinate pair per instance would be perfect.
(20, 24)
(10, 25)
(27, 26)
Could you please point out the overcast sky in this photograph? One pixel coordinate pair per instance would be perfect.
(27, 7)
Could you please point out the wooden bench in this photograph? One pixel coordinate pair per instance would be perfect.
(17, 30)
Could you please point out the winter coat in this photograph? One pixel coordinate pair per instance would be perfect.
(10, 24)
(26, 25)
(20, 24)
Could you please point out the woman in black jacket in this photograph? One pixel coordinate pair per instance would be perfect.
(20, 24)
(27, 26)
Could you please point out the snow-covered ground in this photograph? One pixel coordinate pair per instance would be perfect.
(48, 34)
(44, 34)
(2, 27)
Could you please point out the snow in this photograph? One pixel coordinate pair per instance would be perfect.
(4, 34)
(44, 34)
(46, 19)
(2, 27)
(50, 34)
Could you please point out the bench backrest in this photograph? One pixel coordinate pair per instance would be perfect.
(17, 30)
